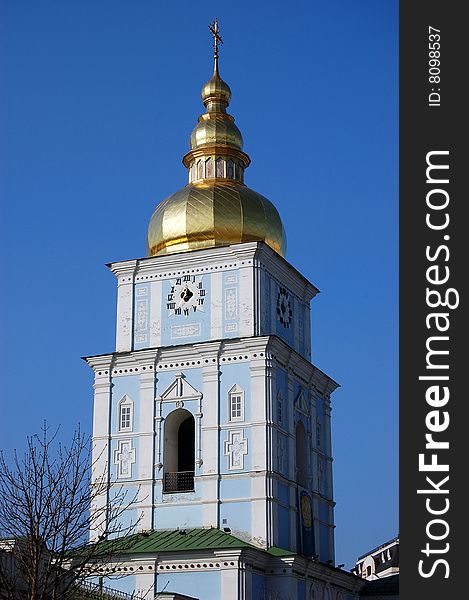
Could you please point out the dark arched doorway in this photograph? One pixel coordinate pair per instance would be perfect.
(179, 451)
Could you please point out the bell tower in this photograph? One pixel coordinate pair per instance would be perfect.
(210, 406)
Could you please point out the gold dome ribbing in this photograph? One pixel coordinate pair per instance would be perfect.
(215, 208)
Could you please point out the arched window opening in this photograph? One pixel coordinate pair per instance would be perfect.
(301, 455)
(209, 168)
(220, 168)
(193, 172)
(179, 451)
(200, 169)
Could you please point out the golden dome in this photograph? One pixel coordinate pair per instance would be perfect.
(213, 129)
(216, 88)
(206, 214)
(215, 208)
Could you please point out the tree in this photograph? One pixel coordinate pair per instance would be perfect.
(48, 509)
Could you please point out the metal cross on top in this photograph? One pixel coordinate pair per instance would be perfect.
(214, 29)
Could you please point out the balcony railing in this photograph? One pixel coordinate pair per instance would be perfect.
(180, 481)
(85, 590)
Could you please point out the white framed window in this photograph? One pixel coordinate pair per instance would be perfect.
(280, 407)
(126, 409)
(318, 433)
(236, 404)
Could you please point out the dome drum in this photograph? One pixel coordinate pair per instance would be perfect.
(216, 167)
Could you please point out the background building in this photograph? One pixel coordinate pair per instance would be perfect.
(380, 562)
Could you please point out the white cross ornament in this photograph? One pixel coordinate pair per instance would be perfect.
(236, 448)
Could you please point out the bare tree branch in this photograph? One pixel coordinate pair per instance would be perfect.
(48, 508)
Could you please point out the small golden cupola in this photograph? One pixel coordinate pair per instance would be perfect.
(215, 208)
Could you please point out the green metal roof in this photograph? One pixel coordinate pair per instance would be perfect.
(181, 540)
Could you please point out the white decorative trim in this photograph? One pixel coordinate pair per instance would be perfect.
(185, 331)
(231, 303)
(318, 433)
(321, 480)
(179, 390)
(280, 408)
(301, 405)
(124, 458)
(281, 453)
(236, 448)
(141, 320)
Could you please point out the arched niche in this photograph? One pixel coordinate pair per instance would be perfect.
(179, 451)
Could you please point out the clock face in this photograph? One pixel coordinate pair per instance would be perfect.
(187, 295)
(284, 309)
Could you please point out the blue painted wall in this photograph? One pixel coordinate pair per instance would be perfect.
(204, 585)
(230, 374)
(283, 493)
(235, 487)
(125, 584)
(324, 536)
(130, 385)
(259, 588)
(237, 515)
(172, 516)
(284, 528)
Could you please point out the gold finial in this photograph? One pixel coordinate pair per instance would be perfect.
(214, 29)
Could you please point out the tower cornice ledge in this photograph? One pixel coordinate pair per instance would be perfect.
(272, 346)
(223, 257)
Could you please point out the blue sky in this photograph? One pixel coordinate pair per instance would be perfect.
(97, 101)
